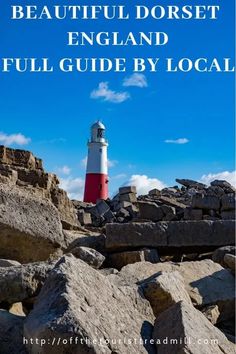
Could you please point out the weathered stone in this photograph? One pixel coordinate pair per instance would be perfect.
(173, 234)
(150, 211)
(230, 261)
(84, 239)
(109, 216)
(22, 282)
(228, 215)
(77, 301)
(207, 202)
(127, 190)
(100, 208)
(154, 192)
(168, 210)
(121, 259)
(192, 214)
(190, 183)
(30, 227)
(11, 333)
(212, 313)
(163, 290)
(227, 187)
(183, 321)
(228, 201)
(171, 202)
(123, 213)
(89, 255)
(130, 197)
(215, 190)
(18, 157)
(207, 283)
(219, 253)
(84, 218)
(17, 309)
(8, 263)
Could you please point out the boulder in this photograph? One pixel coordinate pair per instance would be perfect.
(154, 192)
(226, 186)
(182, 329)
(93, 240)
(127, 190)
(206, 282)
(163, 290)
(219, 253)
(150, 211)
(129, 197)
(175, 234)
(22, 282)
(228, 202)
(230, 261)
(11, 333)
(30, 227)
(84, 218)
(78, 302)
(206, 202)
(228, 215)
(89, 255)
(121, 259)
(212, 313)
(192, 214)
(189, 183)
(8, 263)
(17, 157)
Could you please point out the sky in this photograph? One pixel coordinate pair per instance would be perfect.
(160, 126)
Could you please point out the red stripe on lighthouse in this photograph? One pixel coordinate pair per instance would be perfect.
(96, 187)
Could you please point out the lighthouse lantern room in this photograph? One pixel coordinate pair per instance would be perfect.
(96, 183)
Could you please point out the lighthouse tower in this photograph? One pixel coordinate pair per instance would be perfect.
(96, 184)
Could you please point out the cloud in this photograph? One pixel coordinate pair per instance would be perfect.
(103, 92)
(137, 80)
(83, 162)
(17, 139)
(119, 176)
(225, 175)
(65, 170)
(73, 186)
(144, 184)
(110, 163)
(179, 141)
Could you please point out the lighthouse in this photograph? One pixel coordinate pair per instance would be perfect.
(96, 183)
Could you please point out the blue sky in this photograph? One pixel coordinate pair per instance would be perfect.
(55, 110)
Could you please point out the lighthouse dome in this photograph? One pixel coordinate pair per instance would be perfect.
(97, 132)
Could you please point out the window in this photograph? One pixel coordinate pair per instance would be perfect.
(100, 133)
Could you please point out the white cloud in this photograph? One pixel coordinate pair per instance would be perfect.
(225, 175)
(83, 162)
(73, 186)
(65, 170)
(144, 184)
(119, 176)
(18, 139)
(177, 141)
(103, 92)
(110, 163)
(137, 80)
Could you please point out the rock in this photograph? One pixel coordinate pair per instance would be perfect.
(89, 255)
(19, 158)
(219, 253)
(17, 309)
(84, 239)
(22, 282)
(192, 214)
(183, 321)
(206, 282)
(85, 305)
(30, 227)
(154, 192)
(163, 290)
(226, 186)
(189, 183)
(8, 263)
(168, 210)
(179, 234)
(109, 216)
(11, 333)
(130, 197)
(127, 190)
(206, 202)
(150, 211)
(121, 259)
(228, 202)
(171, 202)
(84, 218)
(230, 261)
(212, 313)
(228, 215)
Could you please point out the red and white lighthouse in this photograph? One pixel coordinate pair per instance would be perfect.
(96, 184)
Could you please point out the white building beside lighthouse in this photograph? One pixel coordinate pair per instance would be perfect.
(96, 183)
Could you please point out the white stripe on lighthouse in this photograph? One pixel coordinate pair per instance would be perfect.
(97, 158)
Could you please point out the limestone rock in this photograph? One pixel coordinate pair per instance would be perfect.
(127, 190)
(22, 282)
(19, 158)
(189, 183)
(230, 261)
(212, 313)
(219, 253)
(228, 215)
(8, 263)
(11, 333)
(228, 202)
(89, 255)
(93, 240)
(78, 301)
(207, 202)
(30, 227)
(226, 186)
(163, 290)
(193, 214)
(121, 259)
(183, 321)
(150, 211)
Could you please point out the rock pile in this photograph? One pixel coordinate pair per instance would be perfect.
(143, 274)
